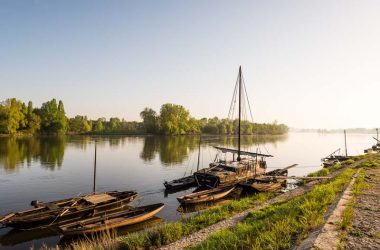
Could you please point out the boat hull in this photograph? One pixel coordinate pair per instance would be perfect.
(112, 221)
(59, 216)
(205, 196)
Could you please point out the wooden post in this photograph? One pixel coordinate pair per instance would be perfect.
(199, 151)
(345, 142)
(93, 189)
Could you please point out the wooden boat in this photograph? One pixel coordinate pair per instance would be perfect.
(264, 184)
(230, 172)
(112, 220)
(206, 195)
(180, 183)
(67, 210)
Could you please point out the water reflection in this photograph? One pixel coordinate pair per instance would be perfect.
(170, 150)
(15, 152)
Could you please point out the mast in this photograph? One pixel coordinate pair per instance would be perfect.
(93, 189)
(238, 157)
(199, 151)
(345, 142)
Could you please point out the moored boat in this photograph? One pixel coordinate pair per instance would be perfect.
(264, 184)
(67, 210)
(111, 220)
(206, 195)
(180, 183)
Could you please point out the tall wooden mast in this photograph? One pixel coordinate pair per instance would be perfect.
(240, 79)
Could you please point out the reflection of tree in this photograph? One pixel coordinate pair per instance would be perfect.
(14, 152)
(52, 150)
(150, 148)
(171, 149)
(175, 149)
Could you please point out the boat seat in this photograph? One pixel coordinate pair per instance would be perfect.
(51, 206)
(98, 198)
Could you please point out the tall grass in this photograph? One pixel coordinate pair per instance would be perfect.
(278, 225)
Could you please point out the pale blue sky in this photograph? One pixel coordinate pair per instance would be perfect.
(306, 63)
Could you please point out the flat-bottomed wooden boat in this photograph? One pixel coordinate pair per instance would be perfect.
(206, 195)
(112, 220)
(67, 210)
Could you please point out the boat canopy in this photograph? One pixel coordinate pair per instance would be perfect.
(235, 151)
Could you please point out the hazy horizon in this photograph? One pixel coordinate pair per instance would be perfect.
(308, 64)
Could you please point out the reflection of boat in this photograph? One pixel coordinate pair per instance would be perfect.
(230, 172)
(112, 220)
(180, 183)
(206, 195)
(67, 210)
(15, 236)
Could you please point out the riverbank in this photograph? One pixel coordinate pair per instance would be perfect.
(225, 223)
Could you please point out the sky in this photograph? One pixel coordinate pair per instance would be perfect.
(306, 63)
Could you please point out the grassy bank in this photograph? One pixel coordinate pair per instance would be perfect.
(173, 231)
(170, 232)
(281, 225)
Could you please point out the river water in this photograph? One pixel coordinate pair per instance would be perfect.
(54, 168)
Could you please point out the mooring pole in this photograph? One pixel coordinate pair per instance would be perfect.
(93, 189)
(345, 141)
(199, 151)
(238, 157)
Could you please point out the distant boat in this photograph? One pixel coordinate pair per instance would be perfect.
(229, 172)
(111, 220)
(67, 210)
(206, 195)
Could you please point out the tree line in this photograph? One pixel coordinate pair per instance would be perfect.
(17, 117)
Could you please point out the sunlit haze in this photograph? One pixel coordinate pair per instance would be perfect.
(308, 64)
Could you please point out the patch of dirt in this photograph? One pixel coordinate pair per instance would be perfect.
(365, 232)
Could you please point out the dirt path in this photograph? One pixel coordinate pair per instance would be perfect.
(201, 235)
(365, 232)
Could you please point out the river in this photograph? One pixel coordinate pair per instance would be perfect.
(50, 168)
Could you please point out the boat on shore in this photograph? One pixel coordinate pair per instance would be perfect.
(111, 220)
(67, 210)
(263, 184)
(207, 195)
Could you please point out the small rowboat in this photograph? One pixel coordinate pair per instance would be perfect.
(67, 210)
(264, 184)
(206, 195)
(181, 183)
(111, 221)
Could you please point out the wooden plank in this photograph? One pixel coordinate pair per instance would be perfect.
(98, 198)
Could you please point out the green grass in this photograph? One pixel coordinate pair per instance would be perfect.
(275, 226)
(170, 232)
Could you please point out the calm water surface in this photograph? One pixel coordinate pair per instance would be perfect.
(54, 168)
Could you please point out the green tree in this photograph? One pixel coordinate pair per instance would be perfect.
(12, 116)
(150, 120)
(53, 118)
(174, 119)
(33, 120)
(80, 124)
(99, 125)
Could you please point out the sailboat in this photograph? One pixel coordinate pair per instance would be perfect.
(246, 165)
